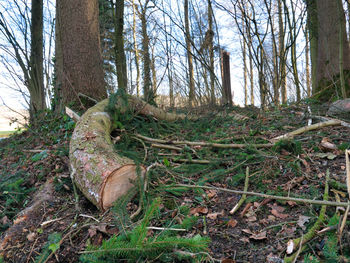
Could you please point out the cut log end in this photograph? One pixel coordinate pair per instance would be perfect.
(118, 184)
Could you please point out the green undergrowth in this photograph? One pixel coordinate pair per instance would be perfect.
(138, 245)
(21, 168)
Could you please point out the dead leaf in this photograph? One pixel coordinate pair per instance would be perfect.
(327, 145)
(278, 208)
(198, 210)
(271, 218)
(259, 236)
(278, 214)
(291, 203)
(211, 193)
(290, 246)
(92, 231)
(228, 260)
(251, 215)
(244, 240)
(265, 201)
(31, 236)
(232, 223)
(302, 220)
(256, 235)
(215, 215)
(247, 231)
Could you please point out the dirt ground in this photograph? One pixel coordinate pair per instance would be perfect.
(258, 232)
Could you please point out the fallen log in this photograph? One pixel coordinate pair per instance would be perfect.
(100, 173)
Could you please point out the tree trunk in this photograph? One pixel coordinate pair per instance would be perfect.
(36, 80)
(211, 55)
(120, 59)
(331, 25)
(147, 83)
(226, 78)
(307, 64)
(245, 68)
(191, 98)
(79, 68)
(99, 172)
(136, 51)
(281, 54)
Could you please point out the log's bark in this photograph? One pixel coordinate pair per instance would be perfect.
(26, 219)
(99, 172)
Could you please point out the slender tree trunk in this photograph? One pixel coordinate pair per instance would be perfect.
(154, 73)
(342, 35)
(292, 32)
(307, 63)
(211, 55)
(81, 69)
(36, 80)
(147, 83)
(282, 57)
(120, 59)
(191, 98)
(262, 86)
(170, 63)
(245, 69)
(137, 56)
(251, 77)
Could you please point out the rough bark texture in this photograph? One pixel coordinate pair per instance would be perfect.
(331, 23)
(226, 78)
(120, 59)
(36, 80)
(81, 69)
(99, 172)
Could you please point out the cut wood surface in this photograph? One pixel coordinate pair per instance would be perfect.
(97, 169)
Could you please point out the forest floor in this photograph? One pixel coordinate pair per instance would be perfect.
(69, 229)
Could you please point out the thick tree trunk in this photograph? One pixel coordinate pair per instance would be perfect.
(331, 25)
(79, 68)
(99, 172)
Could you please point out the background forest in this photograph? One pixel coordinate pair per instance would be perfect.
(187, 53)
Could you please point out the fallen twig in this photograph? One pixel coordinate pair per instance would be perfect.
(165, 228)
(244, 196)
(204, 144)
(301, 130)
(284, 198)
(342, 123)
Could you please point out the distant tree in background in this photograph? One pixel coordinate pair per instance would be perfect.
(36, 79)
(18, 38)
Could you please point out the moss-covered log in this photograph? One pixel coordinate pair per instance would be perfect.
(96, 168)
